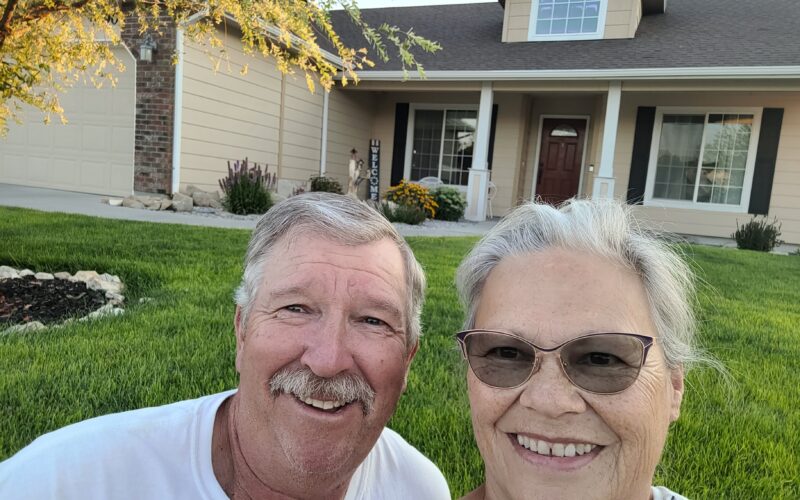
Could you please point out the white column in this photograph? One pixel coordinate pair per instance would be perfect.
(604, 179)
(177, 116)
(478, 183)
(323, 150)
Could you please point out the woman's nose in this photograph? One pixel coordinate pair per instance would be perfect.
(549, 391)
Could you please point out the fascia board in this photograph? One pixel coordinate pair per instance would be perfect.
(731, 72)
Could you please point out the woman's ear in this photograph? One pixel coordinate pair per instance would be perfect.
(676, 384)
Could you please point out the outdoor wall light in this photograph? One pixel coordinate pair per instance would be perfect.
(147, 48)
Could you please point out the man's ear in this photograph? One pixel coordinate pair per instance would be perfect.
(676, 385)
(409, 357)
(239, 327)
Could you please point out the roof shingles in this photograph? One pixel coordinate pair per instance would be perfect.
(692, 33)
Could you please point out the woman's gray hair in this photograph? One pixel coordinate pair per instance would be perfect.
(337, 218)
(607, 229)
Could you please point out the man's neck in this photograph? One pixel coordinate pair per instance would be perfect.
(242, 481)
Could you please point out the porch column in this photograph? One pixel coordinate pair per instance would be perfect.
(478, 182)
(604, 179)
(323, 149)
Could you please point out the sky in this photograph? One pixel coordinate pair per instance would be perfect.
(370, 4)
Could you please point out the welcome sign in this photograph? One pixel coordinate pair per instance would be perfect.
(374, 169)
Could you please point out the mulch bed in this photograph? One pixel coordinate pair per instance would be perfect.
(27, 299)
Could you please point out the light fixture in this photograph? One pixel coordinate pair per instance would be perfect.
(147, 48)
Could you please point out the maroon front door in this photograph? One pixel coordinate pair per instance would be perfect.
(560, 159)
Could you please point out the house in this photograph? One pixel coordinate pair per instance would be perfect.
(689, 110)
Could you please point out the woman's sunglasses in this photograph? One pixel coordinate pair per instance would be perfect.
(601, 363)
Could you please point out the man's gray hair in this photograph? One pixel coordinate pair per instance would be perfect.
(607, 229)
(337, 218)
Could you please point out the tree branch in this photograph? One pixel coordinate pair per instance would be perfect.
(5, 21)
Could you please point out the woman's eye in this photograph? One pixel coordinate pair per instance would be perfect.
(504, 353)
(599, 359)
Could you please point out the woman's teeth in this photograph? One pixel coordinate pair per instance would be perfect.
(554, 449)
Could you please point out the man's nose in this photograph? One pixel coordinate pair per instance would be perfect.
(328, 352)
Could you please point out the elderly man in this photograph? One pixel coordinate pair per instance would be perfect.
(327, 323)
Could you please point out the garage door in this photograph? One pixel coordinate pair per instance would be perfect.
(93, 153)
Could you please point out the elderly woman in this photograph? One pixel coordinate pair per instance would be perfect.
(579, 331)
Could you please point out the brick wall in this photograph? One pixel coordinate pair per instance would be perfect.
(155, 94)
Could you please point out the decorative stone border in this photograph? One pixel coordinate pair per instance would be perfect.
(111, 285)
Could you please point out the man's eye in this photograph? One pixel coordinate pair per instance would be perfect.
(370, 320)
(295, 308)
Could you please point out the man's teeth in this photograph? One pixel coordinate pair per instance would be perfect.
(554, 449)
(322, 405)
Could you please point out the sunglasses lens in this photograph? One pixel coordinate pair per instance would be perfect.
(499, 360)
(603, 363)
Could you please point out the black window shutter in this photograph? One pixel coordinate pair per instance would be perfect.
(642, 139)
(491, 136)
(399, 149)
(764, 172)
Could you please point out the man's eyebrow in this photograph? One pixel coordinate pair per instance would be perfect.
(288, 291)
(384, 305)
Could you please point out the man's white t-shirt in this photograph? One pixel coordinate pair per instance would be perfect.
(165, 453)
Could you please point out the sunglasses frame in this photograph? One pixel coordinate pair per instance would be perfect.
(461, 337)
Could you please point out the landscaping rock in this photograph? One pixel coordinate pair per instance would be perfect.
(165, 204)
(182, 203)
(106, 310)
(190, 190)
(85, 276)
(43, 276)
(132, 202)
(115, 298)
(32, 326)
(203, 199)
(63, 275)
(115, 202)
(8, 272)
(25, 272)
(152, 203)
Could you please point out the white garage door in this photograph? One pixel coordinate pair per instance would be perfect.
(93, 153)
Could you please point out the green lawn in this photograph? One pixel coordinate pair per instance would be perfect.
(741, 441)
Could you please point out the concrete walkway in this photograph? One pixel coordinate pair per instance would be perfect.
(51, 200)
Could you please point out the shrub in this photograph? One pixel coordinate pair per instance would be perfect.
(413, 195)
(326, 184)
(451, 203)
(758, 234)
(407, 214)
(245, 188)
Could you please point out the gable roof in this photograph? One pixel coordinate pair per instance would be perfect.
(691, 34)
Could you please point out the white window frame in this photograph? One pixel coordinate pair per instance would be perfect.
(601, 26)
(412, 114)
(747, 184)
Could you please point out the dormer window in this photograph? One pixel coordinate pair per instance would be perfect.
(567, 19)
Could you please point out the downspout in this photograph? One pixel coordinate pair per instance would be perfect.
(323, 150)
(178, 112)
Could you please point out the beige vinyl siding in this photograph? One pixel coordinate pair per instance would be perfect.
(622, 18)
(785, 199)
(507, 153)
(350, 119)
(302, 130)
(516, 20)
(226, 115)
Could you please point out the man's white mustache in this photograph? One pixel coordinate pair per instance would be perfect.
(303, 383)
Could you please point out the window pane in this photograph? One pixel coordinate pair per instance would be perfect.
(576, 9)
(725, 135)
(560, 11)
(558, 27)
(457, 157)
(590, 25)
(543, 27)
(545, 12)
(427, 143)
(591, 9)
(679, 155)
(573, 26)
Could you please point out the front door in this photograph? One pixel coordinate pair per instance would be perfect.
(560, 158)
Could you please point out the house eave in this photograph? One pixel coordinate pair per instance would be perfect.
(698, 73)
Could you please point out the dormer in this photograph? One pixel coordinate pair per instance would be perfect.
(560, 20)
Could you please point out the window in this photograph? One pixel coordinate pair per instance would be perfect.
(703, 159)
(442, 144)
(567, 19)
